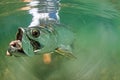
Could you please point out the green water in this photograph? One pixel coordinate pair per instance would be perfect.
(96, 25)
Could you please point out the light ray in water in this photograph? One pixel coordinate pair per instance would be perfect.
(96, 45)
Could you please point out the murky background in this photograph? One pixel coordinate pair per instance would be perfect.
(96, 25)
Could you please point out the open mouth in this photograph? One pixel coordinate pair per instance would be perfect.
(15, 47)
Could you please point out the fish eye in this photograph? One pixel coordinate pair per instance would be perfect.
(35, 33)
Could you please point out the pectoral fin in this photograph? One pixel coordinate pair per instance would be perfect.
(47, 58)
(65, 53)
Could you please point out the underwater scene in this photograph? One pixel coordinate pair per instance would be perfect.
(82, 41)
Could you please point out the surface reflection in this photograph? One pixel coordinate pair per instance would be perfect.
(44, 12)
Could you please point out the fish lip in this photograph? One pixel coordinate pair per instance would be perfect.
(15, 47)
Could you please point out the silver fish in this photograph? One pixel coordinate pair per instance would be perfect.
(39, 40)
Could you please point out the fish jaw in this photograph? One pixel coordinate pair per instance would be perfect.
(15, 48)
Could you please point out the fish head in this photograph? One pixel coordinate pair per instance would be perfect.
(33, 40)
